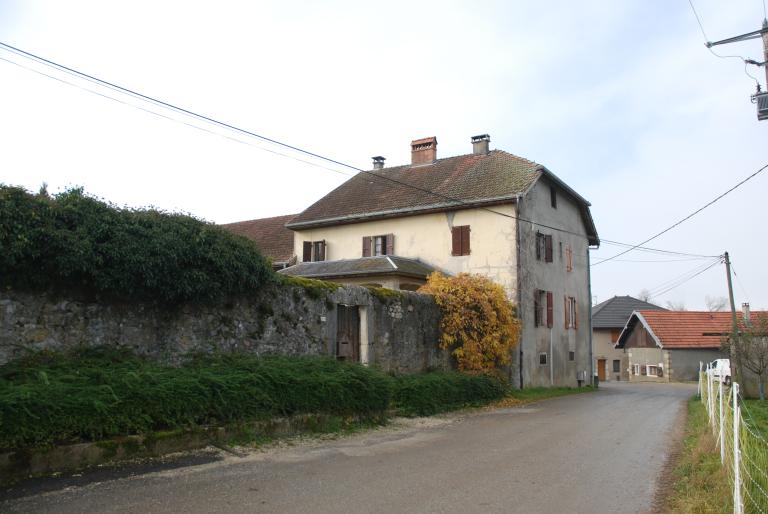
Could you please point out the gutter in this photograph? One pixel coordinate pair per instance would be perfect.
(406, 211)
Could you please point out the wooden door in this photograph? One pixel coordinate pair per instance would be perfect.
(601, 369)
(348, 333)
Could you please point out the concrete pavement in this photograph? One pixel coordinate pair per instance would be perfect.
(590, 453)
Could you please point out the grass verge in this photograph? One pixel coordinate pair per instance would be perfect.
(701, 483)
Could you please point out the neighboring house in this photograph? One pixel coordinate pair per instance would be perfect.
(664, 346)
(488, 212)
(272, 238)
(608, 320)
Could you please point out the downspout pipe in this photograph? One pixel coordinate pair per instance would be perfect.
(589, 314)
(551, 360)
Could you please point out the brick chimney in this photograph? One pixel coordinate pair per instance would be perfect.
(378, 162)
(480, 144)
(423, 151)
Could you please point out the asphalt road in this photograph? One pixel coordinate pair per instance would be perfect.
(589, 453)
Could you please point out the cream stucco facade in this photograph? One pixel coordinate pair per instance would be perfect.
(427, 237)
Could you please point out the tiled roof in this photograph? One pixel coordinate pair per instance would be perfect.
(468, 178)
(689, 329)
(273, 239)
(614, 312)
(385, 264)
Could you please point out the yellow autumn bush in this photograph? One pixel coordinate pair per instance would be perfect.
(479, 322)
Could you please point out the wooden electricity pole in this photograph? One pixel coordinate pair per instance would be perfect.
(734, 324)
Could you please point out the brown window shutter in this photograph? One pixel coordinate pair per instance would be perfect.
(550, 301)
(566, 311)
(456, 241)
(575, 314)
(321, 251)
(548, 248)
(465, 240)
(536, 308)
(390, 244)
(367, 246)
(307, 257)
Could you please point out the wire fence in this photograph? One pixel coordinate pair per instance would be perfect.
(743, 449)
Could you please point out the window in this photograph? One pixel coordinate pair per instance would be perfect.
(653, 371)
(379, 245)
(544, 247)
(568, 258)
(460, 240)
(571, 355)
(543, 359)
(313, 251)
(571, 312)
(542, 306)
(636, 369)
(616, 366)
(553, 197)
(318, 250)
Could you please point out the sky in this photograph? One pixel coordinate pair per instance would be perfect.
(621, 100)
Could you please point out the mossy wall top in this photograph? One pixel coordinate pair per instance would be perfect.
(280, 318)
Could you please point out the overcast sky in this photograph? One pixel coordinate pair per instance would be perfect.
(620, 99)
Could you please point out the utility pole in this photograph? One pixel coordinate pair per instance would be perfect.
(734, 325)
(760, 97)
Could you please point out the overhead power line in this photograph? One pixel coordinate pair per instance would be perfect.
(691, 215)
(656, 250)
(706, 41)
(228, 126)
(662, 293)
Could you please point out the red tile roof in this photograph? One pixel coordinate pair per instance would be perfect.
(692, 329)
(273, 239)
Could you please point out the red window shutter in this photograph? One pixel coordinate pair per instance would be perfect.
(367, 246)
(307, 257)
(548, 248)
(456, 241)
(566, 310)
(465, 240)
(320, 251)
(536, 308)
(550, 301)
(390, 244)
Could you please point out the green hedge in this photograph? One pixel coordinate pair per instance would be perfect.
(94, 393)
(75, 242)
(439, 391)
(97, 393)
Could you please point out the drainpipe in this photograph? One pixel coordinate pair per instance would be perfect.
(519, 279)
(589, 314)
(551, 360)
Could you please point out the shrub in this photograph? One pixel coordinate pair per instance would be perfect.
(75, 242)
(439, 391)
(478, 321)
(96, 393)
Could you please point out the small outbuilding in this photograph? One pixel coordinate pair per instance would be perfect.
(667, 346)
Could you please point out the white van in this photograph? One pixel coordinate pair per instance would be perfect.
(720, 369)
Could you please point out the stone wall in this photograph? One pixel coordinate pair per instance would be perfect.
(399, 329)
